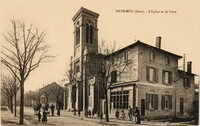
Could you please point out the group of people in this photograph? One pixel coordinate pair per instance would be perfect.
(45, 112)
(131, 113)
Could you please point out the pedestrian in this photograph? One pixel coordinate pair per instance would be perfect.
(122, 115)
(101, 116)
(89, 113)
(92, 112)
(39, 116)
(79, 112)
(130, 113)
(137, 115)
(117, 114)
(58, 110)
(44, 117)
(52, 109)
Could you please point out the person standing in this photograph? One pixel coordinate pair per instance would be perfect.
(137, 115)
(39, 116)
(58, 110)
(130, 113)
(52, 109)
(44, 117)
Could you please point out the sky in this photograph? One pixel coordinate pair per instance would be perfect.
(179, 28)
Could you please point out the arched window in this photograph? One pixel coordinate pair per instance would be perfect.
(87, 33)
(91, 34)
(77, 35)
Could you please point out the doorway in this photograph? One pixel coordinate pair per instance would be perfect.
(181, 106)
(142, 107)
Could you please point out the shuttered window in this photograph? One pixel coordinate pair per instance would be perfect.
(166, 77)
(151, 101)
(114, 76)
(186, 82)
(166, 102)
(151, 74)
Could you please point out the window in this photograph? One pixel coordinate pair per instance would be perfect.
(151, 74)
(114, 76)
(167, 77)
(151, 101)
(166, 102)
(186, 82)
(89, 33)
(120, 99)
(167, 60)
(76, 67)
(151, 56)
(125, 55)
(77, 35)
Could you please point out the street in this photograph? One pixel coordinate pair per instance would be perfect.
(67, 118)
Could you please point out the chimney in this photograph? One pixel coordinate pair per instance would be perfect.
(189, 67)
(158, 42)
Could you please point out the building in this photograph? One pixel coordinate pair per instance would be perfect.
(52, 94)
(150, 81)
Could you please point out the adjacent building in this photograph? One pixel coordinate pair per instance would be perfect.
(147, 77)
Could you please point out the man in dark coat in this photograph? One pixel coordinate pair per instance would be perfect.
(58, 110)
(137, 115)
(52, 109)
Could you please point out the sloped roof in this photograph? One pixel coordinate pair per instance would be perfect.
(138, 42)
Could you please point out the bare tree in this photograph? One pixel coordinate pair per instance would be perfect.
(38, 94)
(25, 51)
(105, 67)
(56, 90)
(30, 97)
(7, 90)
(10, 87)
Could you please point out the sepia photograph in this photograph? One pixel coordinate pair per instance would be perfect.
(120, 63)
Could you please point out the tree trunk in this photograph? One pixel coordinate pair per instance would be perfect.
(21, 120)
(8, 102)
(11, 104)
(15, 100)
(106, 100)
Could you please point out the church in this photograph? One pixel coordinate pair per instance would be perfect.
(138, 75)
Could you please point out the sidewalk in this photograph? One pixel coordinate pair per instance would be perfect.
(114, 121)
(8, 119)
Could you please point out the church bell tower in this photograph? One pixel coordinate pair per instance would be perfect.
(85, 42)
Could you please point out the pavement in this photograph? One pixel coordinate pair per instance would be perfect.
(8, 119)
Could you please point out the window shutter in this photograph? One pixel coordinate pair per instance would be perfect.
(147, 101)
(163, 102)
(163, 76)
(156, 102)
(184, 82)
(157, 77)
(154, 75)
(153, 56)
(147, 73)
(170, 102)
(170, 77)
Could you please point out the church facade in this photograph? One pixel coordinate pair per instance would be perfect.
(147, 76)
